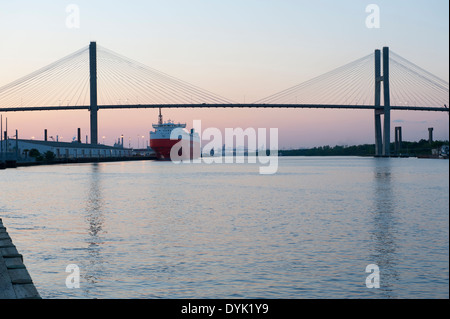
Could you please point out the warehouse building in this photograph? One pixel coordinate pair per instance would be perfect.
(61, 150)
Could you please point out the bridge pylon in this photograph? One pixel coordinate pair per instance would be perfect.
(93, 107)
(382, 137)
(378, 112)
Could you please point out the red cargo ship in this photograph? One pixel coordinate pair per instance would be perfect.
(161, 143)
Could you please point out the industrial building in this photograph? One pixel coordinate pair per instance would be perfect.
(62, 150)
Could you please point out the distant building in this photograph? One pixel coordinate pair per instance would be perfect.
(143, 152)
(62, 150)
(444, 151)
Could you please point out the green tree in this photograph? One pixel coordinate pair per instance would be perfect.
(34, 153)
(49, 156)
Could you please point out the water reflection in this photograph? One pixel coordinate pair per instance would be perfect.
(384, 230)
(94, 264)
(218, 232)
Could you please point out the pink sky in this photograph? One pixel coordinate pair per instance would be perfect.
(269, 46)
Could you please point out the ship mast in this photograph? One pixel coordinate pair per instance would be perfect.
(160, 120)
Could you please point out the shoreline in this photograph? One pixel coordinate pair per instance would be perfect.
(14, 164)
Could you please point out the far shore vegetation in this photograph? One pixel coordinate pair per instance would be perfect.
(421, 148)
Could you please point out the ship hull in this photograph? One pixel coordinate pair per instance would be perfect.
(163, 146)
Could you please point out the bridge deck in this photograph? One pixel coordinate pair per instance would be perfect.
(207, 105)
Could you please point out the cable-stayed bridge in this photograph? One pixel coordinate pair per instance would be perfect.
(95, 78)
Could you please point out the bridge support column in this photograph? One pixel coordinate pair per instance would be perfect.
(398, 139)
(378, 112)
(430, 135)
(387, 104)
(93, 109)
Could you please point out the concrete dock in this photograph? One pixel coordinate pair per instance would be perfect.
(15, 281)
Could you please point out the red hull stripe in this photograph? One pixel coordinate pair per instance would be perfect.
(162, 148)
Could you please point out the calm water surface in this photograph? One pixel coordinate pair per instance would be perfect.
(160, 230)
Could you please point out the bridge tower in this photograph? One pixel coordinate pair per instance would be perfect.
(382, 141)
(387, 104)
(93, 108)
(378, 112)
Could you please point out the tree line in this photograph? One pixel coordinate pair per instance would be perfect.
(422, 147)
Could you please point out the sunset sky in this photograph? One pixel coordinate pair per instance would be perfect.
(244, 50)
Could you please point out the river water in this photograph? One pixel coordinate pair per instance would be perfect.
(151, 229)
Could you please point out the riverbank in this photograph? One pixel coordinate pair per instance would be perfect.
(15, 281)
(14, 164)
